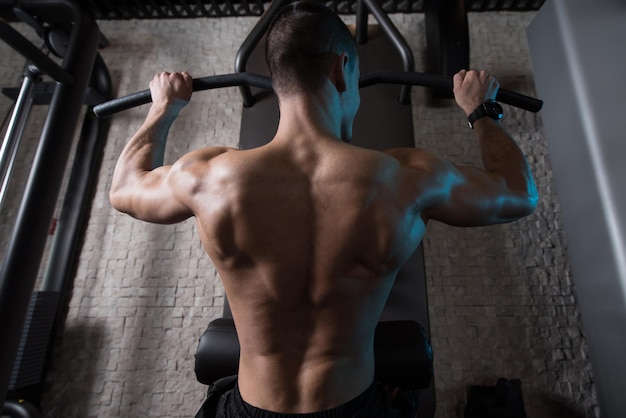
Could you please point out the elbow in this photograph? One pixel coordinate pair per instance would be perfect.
(114, 199)
(533, 201)
(518, 206)
(115, 192)
(526, 197)
(528, 203)
(120, 193)
(531, 205)
(532, 198)
(117, 200)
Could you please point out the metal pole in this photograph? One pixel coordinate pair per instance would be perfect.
(15, 130)
(25, 250)
(79, 193)
(398, 42)
(251, 41)
(360, 34)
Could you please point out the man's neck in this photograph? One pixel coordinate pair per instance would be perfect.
(310, 115)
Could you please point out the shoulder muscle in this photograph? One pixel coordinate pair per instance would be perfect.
(188, 172)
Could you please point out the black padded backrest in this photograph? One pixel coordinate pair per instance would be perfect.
(402, 351)
(217, 354)
(403, 355)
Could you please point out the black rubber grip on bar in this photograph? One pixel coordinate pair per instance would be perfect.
(107, 109)
(443, 82)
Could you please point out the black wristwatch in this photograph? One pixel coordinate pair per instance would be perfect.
(489, 108)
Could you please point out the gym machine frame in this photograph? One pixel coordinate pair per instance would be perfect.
(28, 318)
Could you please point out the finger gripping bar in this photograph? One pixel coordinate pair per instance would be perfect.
(442, 82)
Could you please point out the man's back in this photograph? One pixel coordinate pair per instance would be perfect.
(308, 232)
(308, 237)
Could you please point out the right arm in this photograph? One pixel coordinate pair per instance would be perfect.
(142, 186)
(502, 191)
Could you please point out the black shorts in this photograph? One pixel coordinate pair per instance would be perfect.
(224, 401)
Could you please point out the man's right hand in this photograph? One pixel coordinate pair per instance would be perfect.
(171, 89)
(472, 88)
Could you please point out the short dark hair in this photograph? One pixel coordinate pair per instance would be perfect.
(299, 42)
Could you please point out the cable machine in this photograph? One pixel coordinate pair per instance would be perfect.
(28, 317)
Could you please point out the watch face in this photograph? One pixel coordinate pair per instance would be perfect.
(494, 110)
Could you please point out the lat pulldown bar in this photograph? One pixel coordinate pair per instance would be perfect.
(441, 82)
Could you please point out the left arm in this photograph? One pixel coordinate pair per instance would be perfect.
(141, 184)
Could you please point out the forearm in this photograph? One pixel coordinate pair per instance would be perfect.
(145, 150)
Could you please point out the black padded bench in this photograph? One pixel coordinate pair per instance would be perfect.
(402, 351)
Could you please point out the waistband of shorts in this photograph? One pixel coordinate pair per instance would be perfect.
(348, 409)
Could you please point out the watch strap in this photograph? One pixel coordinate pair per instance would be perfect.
(478, 113)
(483, 110)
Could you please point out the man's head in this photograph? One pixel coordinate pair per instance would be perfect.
(302, 42)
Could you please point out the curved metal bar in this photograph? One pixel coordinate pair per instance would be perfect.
(363, 6)
(251, 41)
(442, 82)
(398, 41)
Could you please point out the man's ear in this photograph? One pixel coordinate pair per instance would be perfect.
(339, 70)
